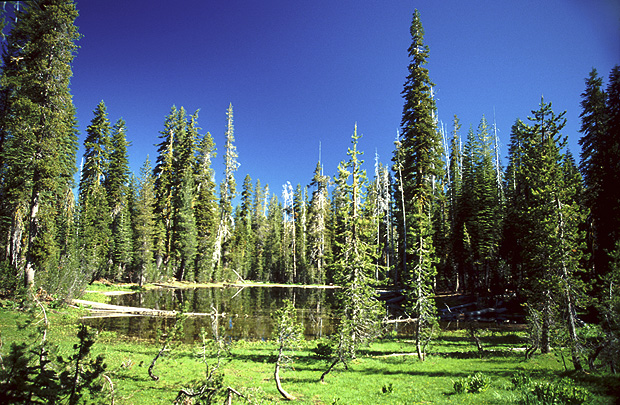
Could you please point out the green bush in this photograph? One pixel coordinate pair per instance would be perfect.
(473, 384)
(387, 388)
(521, 380)
(564, 392)
(323, 351)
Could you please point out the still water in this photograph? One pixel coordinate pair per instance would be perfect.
(245, 312)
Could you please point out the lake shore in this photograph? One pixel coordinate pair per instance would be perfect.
(384, 372)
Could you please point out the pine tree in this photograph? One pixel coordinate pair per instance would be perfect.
(96, 146)
(274, 249)
(228, 192)
(289, 259)
(455, 185)
(164, 187)
(517, 198)
(185, 236)
(300, 209)
(359, 311)
(144, 225)
(479, 211)
(205, 209)
(418, 167)
(184, 232)
(552, 242)
(242, 235)
(39, 137)
(317, 226)
(600, 154)
(116, 183)
(259, 230)
(95, 234)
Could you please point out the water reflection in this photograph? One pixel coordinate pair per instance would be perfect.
(245, 311)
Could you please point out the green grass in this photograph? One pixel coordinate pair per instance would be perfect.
(250, 368)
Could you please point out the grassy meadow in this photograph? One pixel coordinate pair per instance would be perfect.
(386, 372)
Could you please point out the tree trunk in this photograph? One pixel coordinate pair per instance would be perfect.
(29, 270)
(331, 366)
(545, 340)
(276, 375)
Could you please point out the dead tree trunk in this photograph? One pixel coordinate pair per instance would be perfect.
(276, 375)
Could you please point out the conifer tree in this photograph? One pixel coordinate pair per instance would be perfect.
(184, 232)
(289, 259)
(144, 225)
(359, 311)
(517, 196)
(274, 249)
(39, 137)
(551, 215)
(205, 209)
(317, 226)
(455, 185)
(164, 187)
(300, 208)
(243, 237)
(116, 183)
(600, 154)
(95, 236)
(185, 237)
(418, 167)
(259, 230)
(228, 191)
(479, 211)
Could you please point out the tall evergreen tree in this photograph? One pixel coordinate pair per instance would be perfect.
(242, 235)
(549, 214)
(300, 209)
(359, 311)
(455, 185)
(143, 216)
(165, 187)
(205, 209)
(184, 232)
(39, 137)
(479, 215)
(317, 226)
(418, 168)
(600, 154)
(274, 249)
(259, 230)
(116, 185)
(95, 220)
(228, 191)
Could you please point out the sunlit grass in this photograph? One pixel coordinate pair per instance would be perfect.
(377, 376)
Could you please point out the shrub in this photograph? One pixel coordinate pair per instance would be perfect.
(521, 380)
(564, 392)
(323, 351)
(387, 388)
(474, 384)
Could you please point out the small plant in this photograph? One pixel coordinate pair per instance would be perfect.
(521, 380)
(473, 384)
(564, 392)
(288, 334)
(323, 351)
(460, 385)
(33, 372)
(478, 383)
(387, 388)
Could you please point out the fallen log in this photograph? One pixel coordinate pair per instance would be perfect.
(116, 310)
(401, 320)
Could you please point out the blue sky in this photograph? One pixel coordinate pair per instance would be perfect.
(300, 73)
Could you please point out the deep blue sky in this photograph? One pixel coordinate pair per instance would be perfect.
(303, 72)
